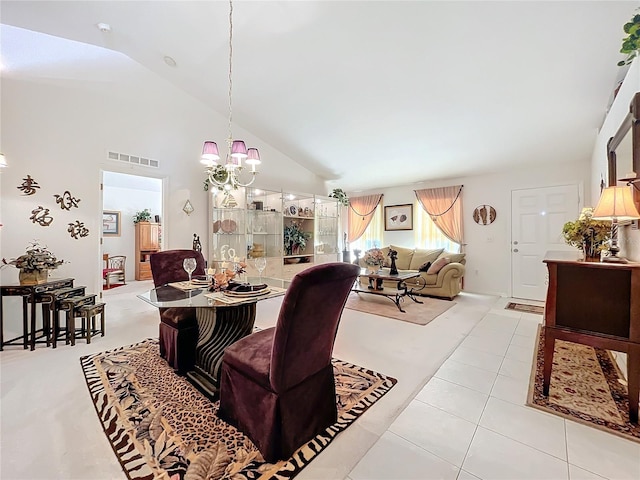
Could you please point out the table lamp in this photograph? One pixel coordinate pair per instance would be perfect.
(616, 204)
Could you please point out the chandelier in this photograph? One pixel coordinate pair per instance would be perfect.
(226, 176)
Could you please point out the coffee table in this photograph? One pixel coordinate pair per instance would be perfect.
(375, 286)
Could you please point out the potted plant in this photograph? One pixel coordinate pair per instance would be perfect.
(340, 195)
(34, 265)
(631, 43)
(142, 216)
(295, 239)
(587, 234)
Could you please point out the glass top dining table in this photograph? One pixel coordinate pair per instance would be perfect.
(221, 319)
(184, 295)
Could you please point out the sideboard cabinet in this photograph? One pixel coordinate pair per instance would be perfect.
(147, 238)
(596, 304)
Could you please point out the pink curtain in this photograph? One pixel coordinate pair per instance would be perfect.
(444, 206)
(361, 210)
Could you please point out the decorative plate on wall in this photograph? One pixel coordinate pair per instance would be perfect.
(484, 215)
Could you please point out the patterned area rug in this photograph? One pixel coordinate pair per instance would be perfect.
(160, 426)
(419, 313)
(523, 307)
(586, 386)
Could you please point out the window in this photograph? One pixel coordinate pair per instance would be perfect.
(372, 236)
(427, 235)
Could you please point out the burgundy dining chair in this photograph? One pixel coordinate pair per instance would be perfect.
(277, 385)
(178, 326)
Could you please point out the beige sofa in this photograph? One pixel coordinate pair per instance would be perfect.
(446, 283)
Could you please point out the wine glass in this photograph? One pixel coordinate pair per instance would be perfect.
(261, 264)
(189, 265)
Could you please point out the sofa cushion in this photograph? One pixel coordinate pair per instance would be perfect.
(422, 256)
(438, 265)
(454, 257)
(424, 267)
(404, 257)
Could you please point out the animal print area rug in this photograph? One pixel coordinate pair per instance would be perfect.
(160, 426)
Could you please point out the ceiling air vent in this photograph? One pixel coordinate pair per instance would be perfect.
(123, 157)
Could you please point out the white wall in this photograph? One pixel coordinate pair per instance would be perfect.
(60, 132)
(629, 239)
(488, 248)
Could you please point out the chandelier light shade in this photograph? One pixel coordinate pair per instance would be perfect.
(210, 153)
(227, 176)
(616, 204)
(238, 149)
(253, 158)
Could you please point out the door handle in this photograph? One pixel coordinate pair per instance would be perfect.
(515, 243)
(515, 250)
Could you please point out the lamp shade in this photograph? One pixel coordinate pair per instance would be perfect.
(253, 157)
(210, 153)
(238, 149)
(616, 202)
(3, 161)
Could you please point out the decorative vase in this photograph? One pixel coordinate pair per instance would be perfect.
(33, 278)
(590, 252)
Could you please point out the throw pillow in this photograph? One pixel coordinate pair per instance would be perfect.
(422, 256)
(438, 264)
(404, 257)
(424, 267)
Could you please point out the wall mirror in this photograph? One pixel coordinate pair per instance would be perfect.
(623, 151)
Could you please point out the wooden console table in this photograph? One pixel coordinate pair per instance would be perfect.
(595, 304)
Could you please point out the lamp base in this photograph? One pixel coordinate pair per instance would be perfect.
(614, 259)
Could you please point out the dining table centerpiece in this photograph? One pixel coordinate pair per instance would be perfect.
(34, 264)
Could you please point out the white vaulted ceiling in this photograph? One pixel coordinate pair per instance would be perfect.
(368, 94)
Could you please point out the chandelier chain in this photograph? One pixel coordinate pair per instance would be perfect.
(226, 175)
(230, 70)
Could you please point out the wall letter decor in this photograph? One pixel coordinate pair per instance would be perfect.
(28, 186)
(67, 201)
(41, 216)
(77, 230)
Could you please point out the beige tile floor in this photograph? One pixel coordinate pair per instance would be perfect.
(457, 411)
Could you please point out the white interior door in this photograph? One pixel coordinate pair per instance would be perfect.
(537, 218)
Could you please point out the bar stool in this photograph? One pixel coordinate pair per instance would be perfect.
(88, 315)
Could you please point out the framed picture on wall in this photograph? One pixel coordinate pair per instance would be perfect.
(398, 217)
(110, 223)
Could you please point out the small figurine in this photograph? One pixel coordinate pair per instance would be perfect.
(197, 246)
(393, 254)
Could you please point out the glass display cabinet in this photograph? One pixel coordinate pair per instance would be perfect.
(291, 231)
(228, 235)
(326, 230)
(264, 231)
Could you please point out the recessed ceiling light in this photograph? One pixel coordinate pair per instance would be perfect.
(169, 61)
(104, 27)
